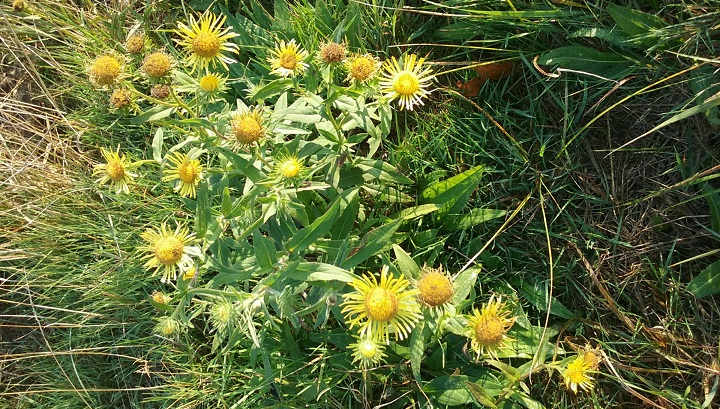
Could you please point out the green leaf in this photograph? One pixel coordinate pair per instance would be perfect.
(405, 263)
(707, 282)
(464, 283)
(372, 243)
(537, 293)
(475, 217)
(377, 169)
(414, 212)
(202, 212)
(449, 390)
(480, 395)
(243, 166)
(713, 199)
(417, 349)
(586, 59)
(451, 194)
(637, 24)
(155, 113)
(307, 235)
(271, 89)
(525, 400)
(157, 144)
(264, 250)
(312, 271)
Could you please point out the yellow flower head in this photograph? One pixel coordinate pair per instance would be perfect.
(186, 171)
(247, 126)
(121, 98)
(382, 308)
(577, 374)
(169, 250)
(157, 65)
(168, 326)
(332, 53)
(116, 170)
(135, 44)
(593, 356)
(206, 42)
(407, 82)
(368, 352)
(19, 5)
(487, 328)
(436, 288)
(361, 68)
(288, 59)
(289, 167)
(160, 91)
(223, 315)
(160, 297)
(106, 70)
(212, 83)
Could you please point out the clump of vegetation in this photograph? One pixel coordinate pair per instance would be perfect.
(352, 205)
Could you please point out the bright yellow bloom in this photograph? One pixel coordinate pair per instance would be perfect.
(288, 59)
(212, 83)
(168, 326)
(382, 308)
(576, 374)
(247, 126)
(436, 288)
(368, 352)
(361, 68)
(206, 42)
(407, 81)
(288, 167)
(169, 250)
(157, 65)
(487, 328)
(186, 171)
(105, 70)
(116, 171)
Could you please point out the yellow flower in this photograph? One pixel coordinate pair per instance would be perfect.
(19, 5)
(167, 326)
(592, 356)
(135, 44)
(186, 171)
(361, 68)
(106, 70)
(288, 167)
(160, 297)
(368, 352)
(407, 81)
(223, 315)
(382, 308)
(247, 126)
(331, 53)
(205, 42)
(115, 170)
(212, 83)
(287, 59)
(157, 65)
(120, 98)
(576, 374)
(436, 288)
(487, 329)
(169, 250)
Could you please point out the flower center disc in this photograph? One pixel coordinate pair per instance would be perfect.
(381, 304)
(368, 349)
(106, 69)
(115, 170)
(209, 83)
(247, 130)
(169, 250)
(289, 169)
(489, 331)
(288, 60)
(406, 84)
(206, 45)
(362, 68)
(187, 172)
(435, 289)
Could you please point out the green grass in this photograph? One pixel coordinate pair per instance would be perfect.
(613, 226)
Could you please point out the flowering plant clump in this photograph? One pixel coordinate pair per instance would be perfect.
(284, 214)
